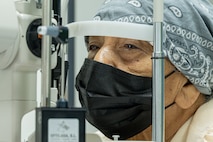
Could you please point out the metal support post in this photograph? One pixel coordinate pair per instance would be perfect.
(158, 128)
(158, 92)
(46, 54)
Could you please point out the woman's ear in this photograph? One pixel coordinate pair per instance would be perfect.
(187, 96)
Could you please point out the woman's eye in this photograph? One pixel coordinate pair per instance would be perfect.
(130, 46)
(93, 47)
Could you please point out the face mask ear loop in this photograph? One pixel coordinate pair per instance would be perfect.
(171, 73)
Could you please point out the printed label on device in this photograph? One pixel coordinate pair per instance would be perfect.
(63, 130)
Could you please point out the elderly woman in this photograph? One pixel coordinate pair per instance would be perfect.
(115, 86)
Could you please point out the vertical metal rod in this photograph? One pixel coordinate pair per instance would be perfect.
(63, 48)
(158, 89)
(71, 51)
(46, 54)
(158, 124)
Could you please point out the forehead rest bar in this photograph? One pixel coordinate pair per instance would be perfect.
(110, 28)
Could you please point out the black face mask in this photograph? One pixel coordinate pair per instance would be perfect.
(116, 102)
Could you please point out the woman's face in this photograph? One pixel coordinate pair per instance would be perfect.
(132, 56)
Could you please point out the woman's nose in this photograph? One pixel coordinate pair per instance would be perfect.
(107, 56)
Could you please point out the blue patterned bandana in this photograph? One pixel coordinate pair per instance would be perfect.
(188, 38)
